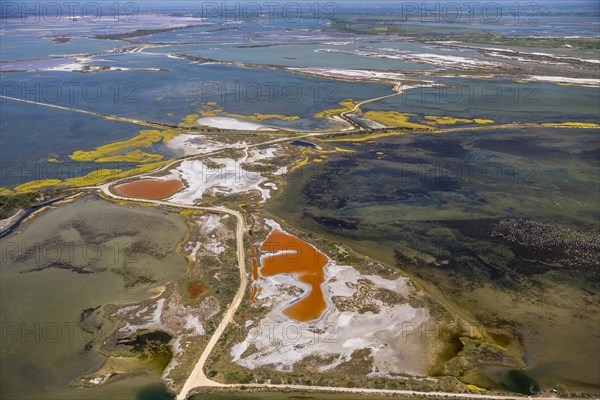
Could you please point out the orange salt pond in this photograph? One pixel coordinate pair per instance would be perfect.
(290, 255)
(254, 269)
(149, 188)
(254, 292)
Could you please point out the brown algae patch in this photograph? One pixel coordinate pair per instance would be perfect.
(254, 292)
(196, 289)
(254, 269)
(149, 188)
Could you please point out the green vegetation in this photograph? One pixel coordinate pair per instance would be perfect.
(11, 203)
(150, 346)
(376, 26)
(384, 26)
(137, 33)
(551, 43)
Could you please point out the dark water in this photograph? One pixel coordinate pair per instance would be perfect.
(303, 143)
(503, 101)
(26, 214)
(155, 392)
(518, 381)
(502, 224)
(514, 380)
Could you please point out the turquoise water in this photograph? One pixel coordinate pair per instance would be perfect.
(19, 47)
(322, 54)
(180, 88)
(244, 30)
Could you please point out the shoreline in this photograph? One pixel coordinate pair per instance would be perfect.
(24, 215)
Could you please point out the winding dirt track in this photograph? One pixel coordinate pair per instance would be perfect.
(197, 377)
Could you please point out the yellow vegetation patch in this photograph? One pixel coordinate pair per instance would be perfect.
(189, 120)
(125, 202)
(145, 138)
(447, 120)
(347, 105)
(474, 387)
(34, 185)
(573, 84)
(341, 150)
(144, 168)
(393, 118)
(130, 202)
(320, 153)
(70, 199)
(5, 191)
(103, 175)
(574, 124)
(93, 178)
(211, 110)
(363, 138)
(263, 117)
(136, 156)
(302, 162)
(187, 213)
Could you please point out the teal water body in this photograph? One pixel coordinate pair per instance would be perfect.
(169, 95)
(18, 47)
(182, 86)
(332, 53)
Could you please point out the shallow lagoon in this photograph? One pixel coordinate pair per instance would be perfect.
(332, 53)
(30, 46)
(70, 259)
(167, 96)
(183, 86)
